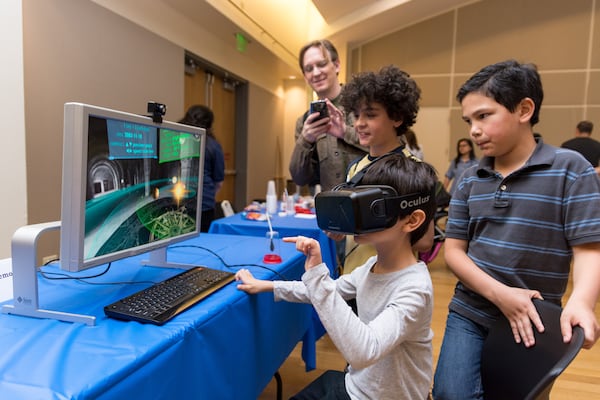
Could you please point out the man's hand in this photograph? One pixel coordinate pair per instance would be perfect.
(314, 128)
(337, 121)
(334, 125)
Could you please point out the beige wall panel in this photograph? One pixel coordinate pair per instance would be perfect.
(424, 48)
(296, 104)
(435, 91)
(558, 124)
(458, 81)
(553, 34)
(432, 133)
(596, 38)
(565, 88)
(594, 90)
(265, 148)
(354, 62)
(593, 114)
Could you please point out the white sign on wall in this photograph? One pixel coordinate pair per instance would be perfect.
(6, 281)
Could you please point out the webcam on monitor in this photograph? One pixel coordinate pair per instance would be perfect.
(157, 111)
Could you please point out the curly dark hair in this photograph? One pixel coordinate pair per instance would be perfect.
(391, 87)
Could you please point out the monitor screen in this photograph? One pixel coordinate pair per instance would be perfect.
(129, 185)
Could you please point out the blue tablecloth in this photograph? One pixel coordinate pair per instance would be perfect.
(286, 226)
(226, 347)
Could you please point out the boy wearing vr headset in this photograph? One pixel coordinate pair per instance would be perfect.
(390, 350)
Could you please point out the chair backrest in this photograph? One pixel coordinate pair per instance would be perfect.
(513, 371)
(227, 208)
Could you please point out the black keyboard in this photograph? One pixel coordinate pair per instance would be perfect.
(162, 301)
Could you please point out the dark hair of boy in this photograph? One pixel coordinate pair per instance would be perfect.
(508, 83)
(406, 176)
(392, 88)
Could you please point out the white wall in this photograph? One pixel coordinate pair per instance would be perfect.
(79, 51)
(259, 67)
(255, 65)
(296, 103)
(13, 212)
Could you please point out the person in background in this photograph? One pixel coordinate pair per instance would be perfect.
(517, 223)
(465, 158)
(584, 144)
(413, 145)
(214, 161)
(388, 345)
(324, 147)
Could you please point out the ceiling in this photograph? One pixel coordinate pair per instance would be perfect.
(358, 21)
(283, 26)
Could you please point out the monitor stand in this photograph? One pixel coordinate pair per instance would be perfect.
(158, 258)
(25, 280)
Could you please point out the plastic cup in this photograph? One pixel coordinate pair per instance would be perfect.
(273, 243)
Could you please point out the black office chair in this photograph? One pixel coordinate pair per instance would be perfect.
(512, 371)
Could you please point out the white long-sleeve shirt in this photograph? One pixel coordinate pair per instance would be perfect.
(388, 345)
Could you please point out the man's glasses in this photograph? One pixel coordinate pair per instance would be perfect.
(311, 67)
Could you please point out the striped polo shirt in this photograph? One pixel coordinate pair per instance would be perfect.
(521, 227)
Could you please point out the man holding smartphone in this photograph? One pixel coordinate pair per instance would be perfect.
(325, 138)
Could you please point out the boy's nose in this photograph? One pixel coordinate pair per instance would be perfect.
(475, 131)
(359, 121)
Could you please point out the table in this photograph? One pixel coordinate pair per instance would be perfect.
(288, 225)
(227, 347)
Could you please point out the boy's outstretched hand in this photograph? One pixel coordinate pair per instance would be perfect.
(309, 247)
(250, 284)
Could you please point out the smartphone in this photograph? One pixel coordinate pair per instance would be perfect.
(319, 106)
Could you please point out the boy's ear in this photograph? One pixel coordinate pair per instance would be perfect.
(415, 219)
(526, 109)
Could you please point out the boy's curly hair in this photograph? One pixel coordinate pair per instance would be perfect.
(391, 87)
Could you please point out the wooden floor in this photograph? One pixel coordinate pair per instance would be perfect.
(581, 380)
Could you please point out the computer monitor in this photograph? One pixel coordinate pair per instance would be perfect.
(130, 185)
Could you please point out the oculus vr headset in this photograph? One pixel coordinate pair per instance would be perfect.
(354, 209)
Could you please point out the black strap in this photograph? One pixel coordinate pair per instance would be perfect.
(360, 174)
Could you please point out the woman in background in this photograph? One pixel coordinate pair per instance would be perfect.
(412, 144)
(465, 157)
(214, 161)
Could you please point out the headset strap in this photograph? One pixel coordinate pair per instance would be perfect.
(355, 180)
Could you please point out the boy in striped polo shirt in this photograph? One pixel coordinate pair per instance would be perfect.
(516, 222)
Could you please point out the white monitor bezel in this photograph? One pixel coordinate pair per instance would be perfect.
(74, 181)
